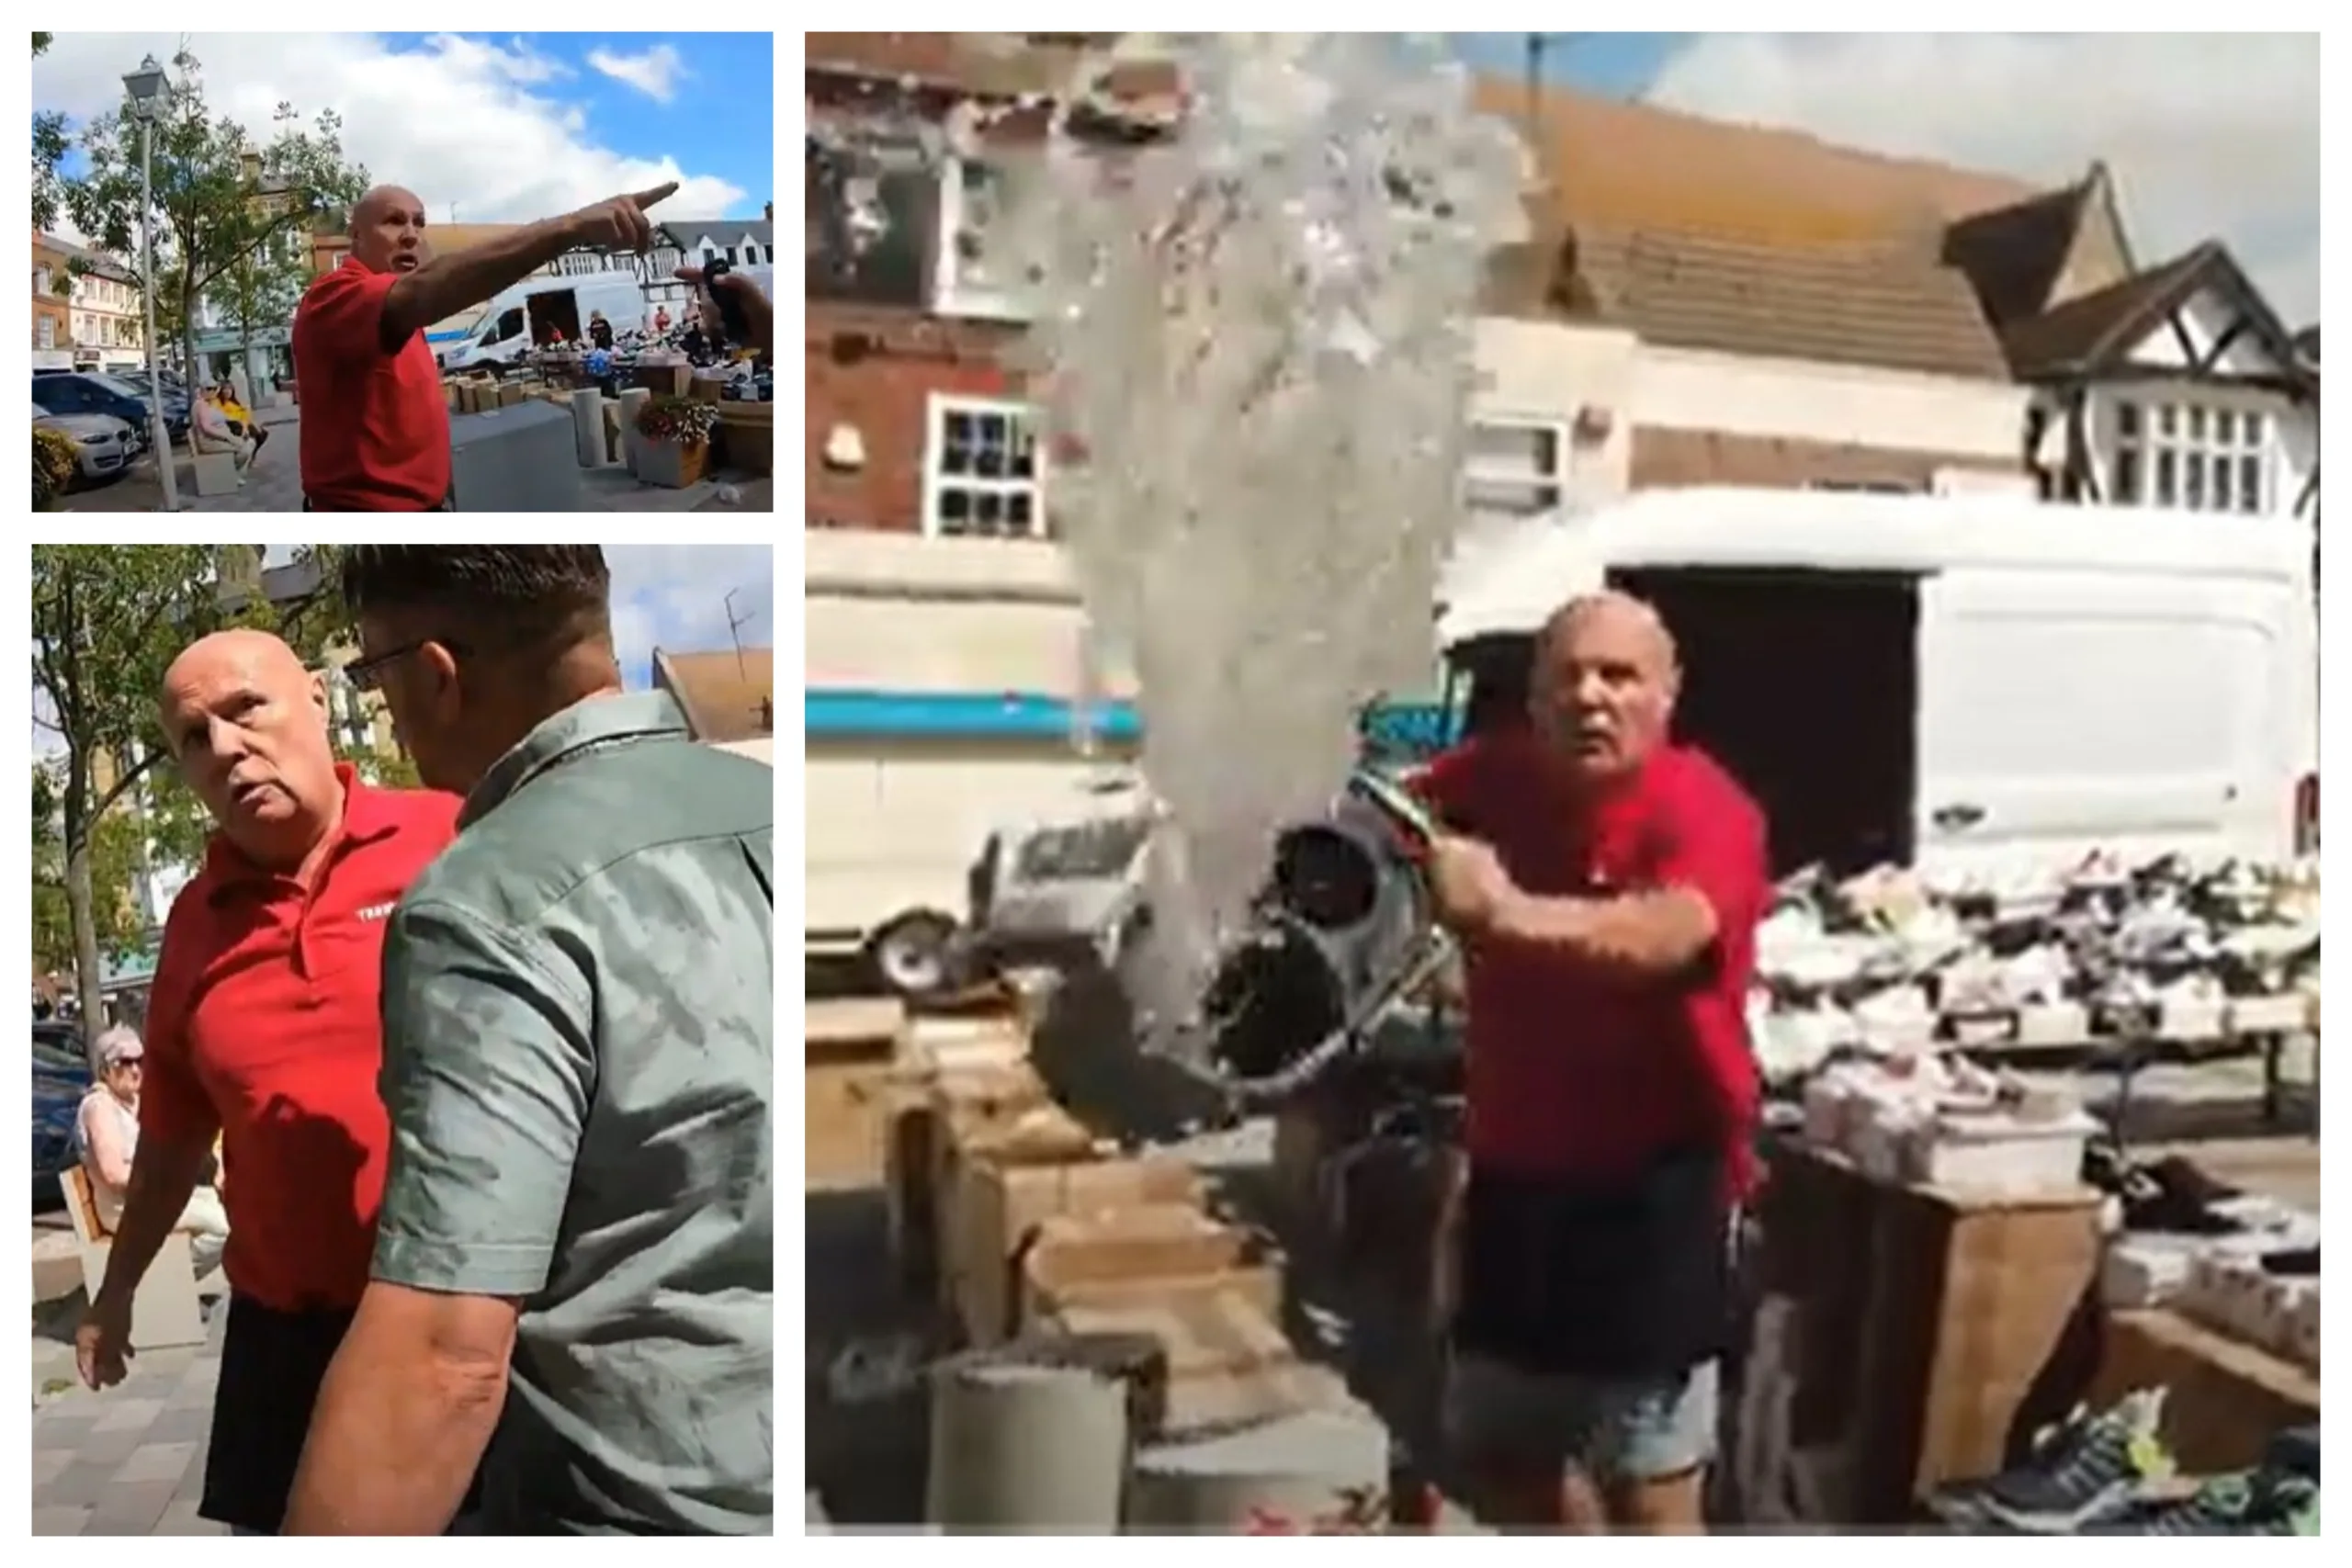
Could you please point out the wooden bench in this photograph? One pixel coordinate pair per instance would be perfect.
(166, 1310)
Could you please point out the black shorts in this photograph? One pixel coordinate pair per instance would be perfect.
(1629, 1280)
(272, 1364)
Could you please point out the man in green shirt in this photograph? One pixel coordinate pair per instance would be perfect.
(574, 1271)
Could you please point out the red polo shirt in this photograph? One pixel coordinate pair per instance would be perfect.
(263, 1025)
(1574, 1070)
(375, 427)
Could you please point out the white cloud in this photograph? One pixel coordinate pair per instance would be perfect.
(655, 73)
(2208, 135)
(480, 130)
(675, 596)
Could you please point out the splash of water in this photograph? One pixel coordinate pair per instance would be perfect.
(1255, 341)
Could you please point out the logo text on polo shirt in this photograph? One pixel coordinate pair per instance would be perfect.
(377, 912)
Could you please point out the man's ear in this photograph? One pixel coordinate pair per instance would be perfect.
(319, 694)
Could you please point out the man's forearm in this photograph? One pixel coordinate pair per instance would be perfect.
(448, 284)
(1642, 933)
(398, 1431)
(161, 1178)
(391, 1450)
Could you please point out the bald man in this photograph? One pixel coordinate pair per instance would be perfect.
(263, 1029)
(1606, 885)
(375, 430)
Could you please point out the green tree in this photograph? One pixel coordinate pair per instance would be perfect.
(261, 290)
(114, 864)
(108, 621)
(220, 194)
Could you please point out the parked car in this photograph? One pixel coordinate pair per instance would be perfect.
(92, 391)
(61, 1078)
(103, 445)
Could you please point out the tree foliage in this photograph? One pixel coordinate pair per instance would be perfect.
(108, 621)
(115, 865)
(223, 197)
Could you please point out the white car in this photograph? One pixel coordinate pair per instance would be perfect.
(103, 445)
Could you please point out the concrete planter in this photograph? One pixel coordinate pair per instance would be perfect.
(667, 463)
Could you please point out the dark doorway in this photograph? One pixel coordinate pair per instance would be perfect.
(1805, 685)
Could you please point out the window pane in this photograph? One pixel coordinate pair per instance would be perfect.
(987, 513)
(991, 458)
(2225, 428)
(2127, 420)
(1530, 449)
(2192, 481)
(2224, 478)
(1511, 500)
(1025, 449)
(2126, 476)
(2196, 423)
(1019, 510)
(2249, 484)
(2167, 420)
(955, 508)
(2251, 429)
(2167, 493)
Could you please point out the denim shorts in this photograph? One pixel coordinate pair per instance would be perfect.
(1613, 1430)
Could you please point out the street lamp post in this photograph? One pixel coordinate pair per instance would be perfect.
(147, 88)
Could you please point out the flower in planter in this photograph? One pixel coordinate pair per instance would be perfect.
(687, 421)
(54, 461)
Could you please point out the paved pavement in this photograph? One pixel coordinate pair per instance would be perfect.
(274, 483)
(130, 1461)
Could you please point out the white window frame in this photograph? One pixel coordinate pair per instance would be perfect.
(1555, 480)
(2163, 432)
(950, 294)
(936, 484)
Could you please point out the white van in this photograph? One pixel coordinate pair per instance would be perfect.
(504, 332)
(1959, 681)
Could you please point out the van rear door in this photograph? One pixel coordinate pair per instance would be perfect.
(2143, 712)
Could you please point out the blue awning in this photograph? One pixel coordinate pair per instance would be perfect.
(957, 715)
(1390, 729)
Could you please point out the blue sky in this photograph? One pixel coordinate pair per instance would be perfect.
(1619, 64)
(485, 126)
(2207, 135)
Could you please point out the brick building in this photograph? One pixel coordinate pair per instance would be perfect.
(53, 316)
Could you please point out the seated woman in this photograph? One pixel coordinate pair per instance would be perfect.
(107, 1134)
(210, 431)
(241, 419)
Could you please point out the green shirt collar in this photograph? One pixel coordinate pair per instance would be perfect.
(593, 722)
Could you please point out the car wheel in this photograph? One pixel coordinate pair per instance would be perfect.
(914, 954)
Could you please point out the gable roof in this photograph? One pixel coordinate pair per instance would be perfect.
(1888, 306)
(2013, 255)
(1634, 165)
(2085, 335)
(725, 697)
(684, 232)
(99, 264)
(1740, 238)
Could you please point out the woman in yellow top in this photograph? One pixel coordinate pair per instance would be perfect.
(225, 397)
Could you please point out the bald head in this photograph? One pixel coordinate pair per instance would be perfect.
(1605, 679)
(259, 654)
(248, 725)
(1618, 615)
(387, 229)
